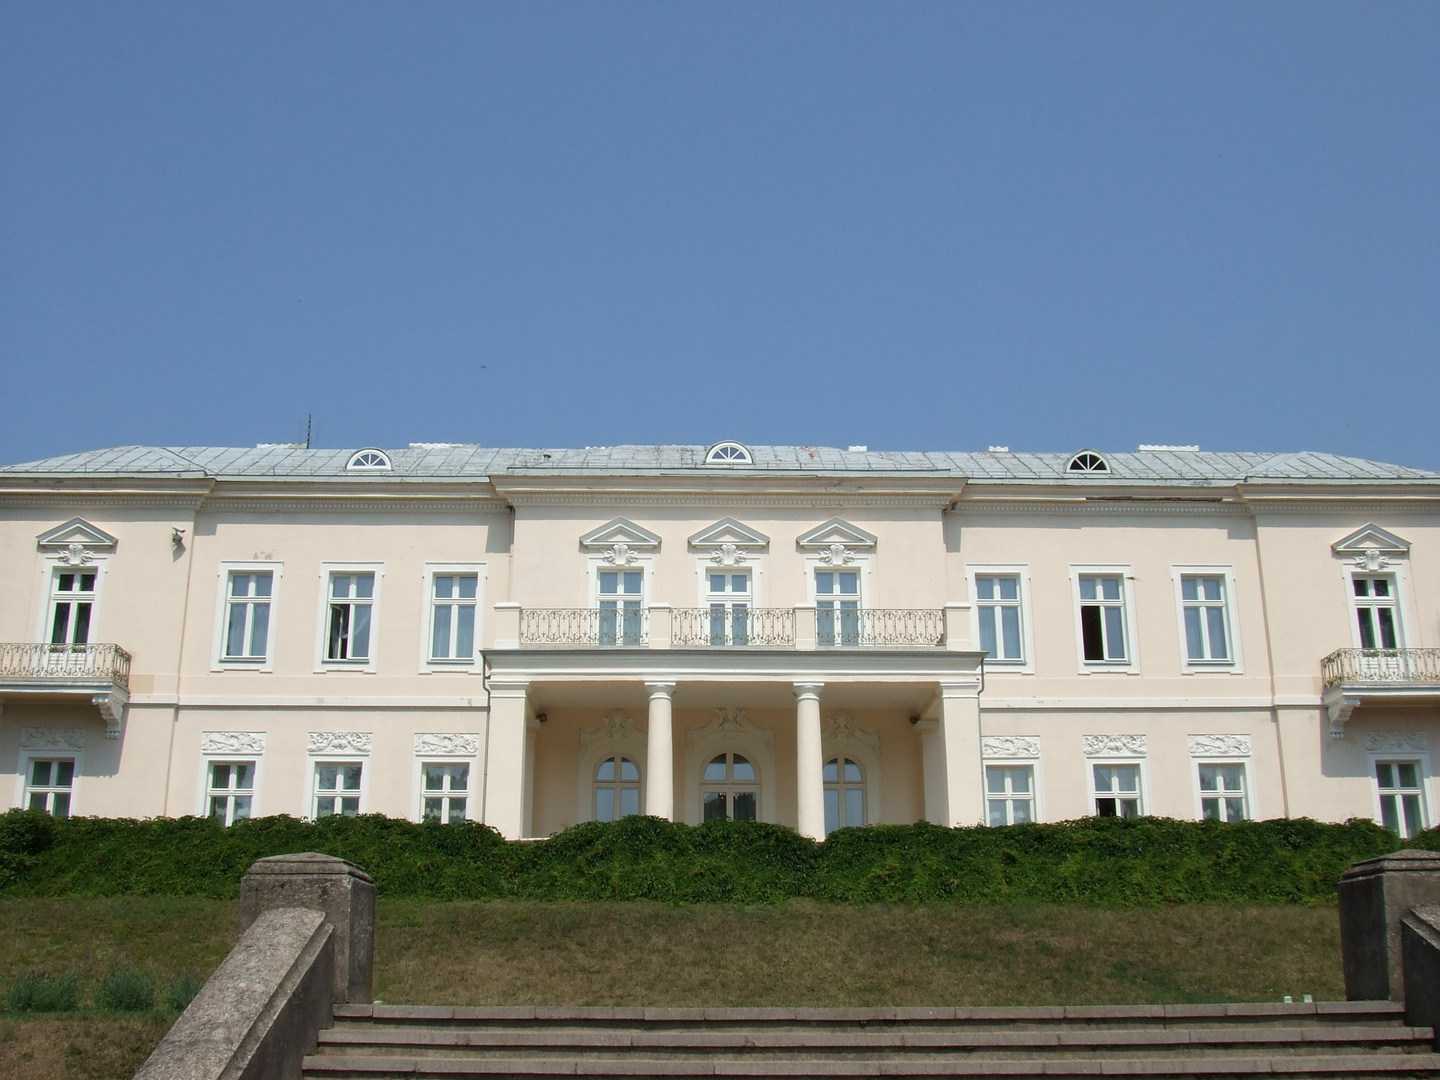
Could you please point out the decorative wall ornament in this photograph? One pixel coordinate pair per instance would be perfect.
(836, 537)
(620, 537)
(727, 555)
(447, 743)
(47, 738)
(1115, 746)
(620, 555)
(1010, 746)
(232, 742)
(76, 543)
(1396, 742)
(1339, 707)
(726, 536)
(112, 711)
(837, 555)
(339, 742)
(1219, 745)
(613, 725)
(727, 720)
(1372, 560)
(1371, 547)
(842, 729)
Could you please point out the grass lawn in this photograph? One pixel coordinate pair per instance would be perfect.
(795, 953)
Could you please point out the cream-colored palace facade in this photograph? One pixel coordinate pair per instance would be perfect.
(809, 636)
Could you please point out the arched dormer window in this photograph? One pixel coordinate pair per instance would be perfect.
(728, 453)
(1088, 461)
(368, 460)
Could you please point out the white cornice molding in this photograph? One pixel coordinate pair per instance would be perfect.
(1074, 505)
(446, 503)
(803, 499)
(732, 665)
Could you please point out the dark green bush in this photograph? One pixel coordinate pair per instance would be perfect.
(126, 989)
(182, 991)
(1091, 861)
(39, 992)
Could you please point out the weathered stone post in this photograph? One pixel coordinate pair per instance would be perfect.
(339, 889)
(1375, 897)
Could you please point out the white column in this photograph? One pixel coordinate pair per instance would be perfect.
(932, 756)
(960, 740)
(660, 753)
(809, 779)
(505, 759)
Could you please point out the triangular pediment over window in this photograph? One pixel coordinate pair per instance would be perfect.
(836, 531)
(76, 531)
(1371, 538)
(620, 531)
(729, 531)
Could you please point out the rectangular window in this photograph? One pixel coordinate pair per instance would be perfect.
(337, 789)
(247, 614)
(1010, 794)
(1117, 790)
(49, 785)
(837, 607)
(1207, 629)
(72, 607)
(1376, 611)
(230, 790)
(352, 597)
(447, 786)
(622, 599)
(728, 598)
(997, 600)
(1222, 792)
(1102, 618)
(1402, 804)
(452, 617)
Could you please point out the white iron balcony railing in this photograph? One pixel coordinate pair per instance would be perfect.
(22, 662)
(879, 626)
(1354, 666)
(617, 627)
(720, 625)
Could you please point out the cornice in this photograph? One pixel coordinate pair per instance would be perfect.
(448, 503)
(676, 665)
(733, 497)
(180, 500)
(1099, 505)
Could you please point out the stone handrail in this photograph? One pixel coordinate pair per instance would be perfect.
(1381, 666)
(28, 660)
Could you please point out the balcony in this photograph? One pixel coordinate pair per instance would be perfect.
(660, 626)
(1353, 677)
(97, 673)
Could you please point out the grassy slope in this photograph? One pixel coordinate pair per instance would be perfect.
(799, 952)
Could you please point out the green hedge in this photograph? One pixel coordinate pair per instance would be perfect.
(1091, 861)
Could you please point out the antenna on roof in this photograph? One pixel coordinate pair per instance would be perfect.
(308, 418)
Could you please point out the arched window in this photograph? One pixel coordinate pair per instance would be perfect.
(730, 789)
(1087, 461)
(617, 789)
(844, 794)
(728, 453)
(368, 460)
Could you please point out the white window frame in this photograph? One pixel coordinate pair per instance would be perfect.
(1126, 574)
(206, 760)
(1404, 616)
(1251, 801)
(27, 757)
(418, 803)
(312, 781)
(857, 562)
(1235, 665)
(218, 660)
(322, 627)
(1026, 664)
(1095, 795)
(1033, 764)
(1420, 757)
(50, 566)
(431, 571)
(596, 564)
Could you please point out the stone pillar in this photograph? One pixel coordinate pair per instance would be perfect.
(805, 627)
(932, 758)
(340, 890)
(960, 752)
(957, 626)
(1420, 947)
(809, 762)
(505, 759)
(505, 630)
(1375, 897)
(660, 753)
(662, 626)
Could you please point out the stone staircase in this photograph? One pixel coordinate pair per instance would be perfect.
(1360, 1039)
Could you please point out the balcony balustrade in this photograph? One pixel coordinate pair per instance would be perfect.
(99, 673)
(626, 627)
(1353, 677)
(732, 627)
(719, 625)
(880, 627)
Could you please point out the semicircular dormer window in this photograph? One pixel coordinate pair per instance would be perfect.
(728, 453)
(1088, 461)
(368, 460)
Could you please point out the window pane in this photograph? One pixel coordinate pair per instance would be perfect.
(220, 777)
(1413, 824)
(235, 630)
(440, 637)
(1189, 588)
(609, 582)
(633, 579)
(987, 631)
(714, 805)
(1367, 627)
(1104, 779)
(259, 629)
(1231, 777)
(364, 586)
(984, 588)
(456, 811)
(325, 807)
(465, 634)
(67, 582)
(854, 807)
(360, 632)
(467, 585)
(1009, 588)
(716, 769)
(628, 770)
(743, 770)
(1409, 774)
(1390, 812)
(745, 803)
(997, 811)
(1087, 588)
(1019, 780)
(350, 778)
(717, 583)
(350, 807)
(241, 808)
(1020, 810)
(629, 801)
(60, 804)
(1010, 621)
(38, 799)
(1385, 774)
(995, 780)
(604, 804)
(1215, 617)
(831, 773)
(852, 772)
(444, 587)
(1380, 585)
(326, 777)
(832, 810)
(61, 625)
(244, 777)
(1110, 588)
(1234, 809)
(1194, 634)
(1093, 639)
(1114, 633)
(1127, 779)
(1362, 586)
(82, 626)
(1208, 779)
(1211, 587)
(434, 777)
(850, 583)
(1388, 637)
(824, 582)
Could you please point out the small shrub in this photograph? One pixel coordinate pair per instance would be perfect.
(39, 992)
(182, 991)
(126, 990)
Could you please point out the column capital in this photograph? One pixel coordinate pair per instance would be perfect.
(660, 687)
(808, 689)
(967, 688)
(509, 688)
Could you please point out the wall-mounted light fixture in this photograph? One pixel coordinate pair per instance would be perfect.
(177, 537)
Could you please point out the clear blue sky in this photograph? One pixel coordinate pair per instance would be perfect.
(909, 225)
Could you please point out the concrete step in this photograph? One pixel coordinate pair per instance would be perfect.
(889, 1042)
(535, 1017)
(1349, 1066)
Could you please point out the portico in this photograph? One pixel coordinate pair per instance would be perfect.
(772, 724)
